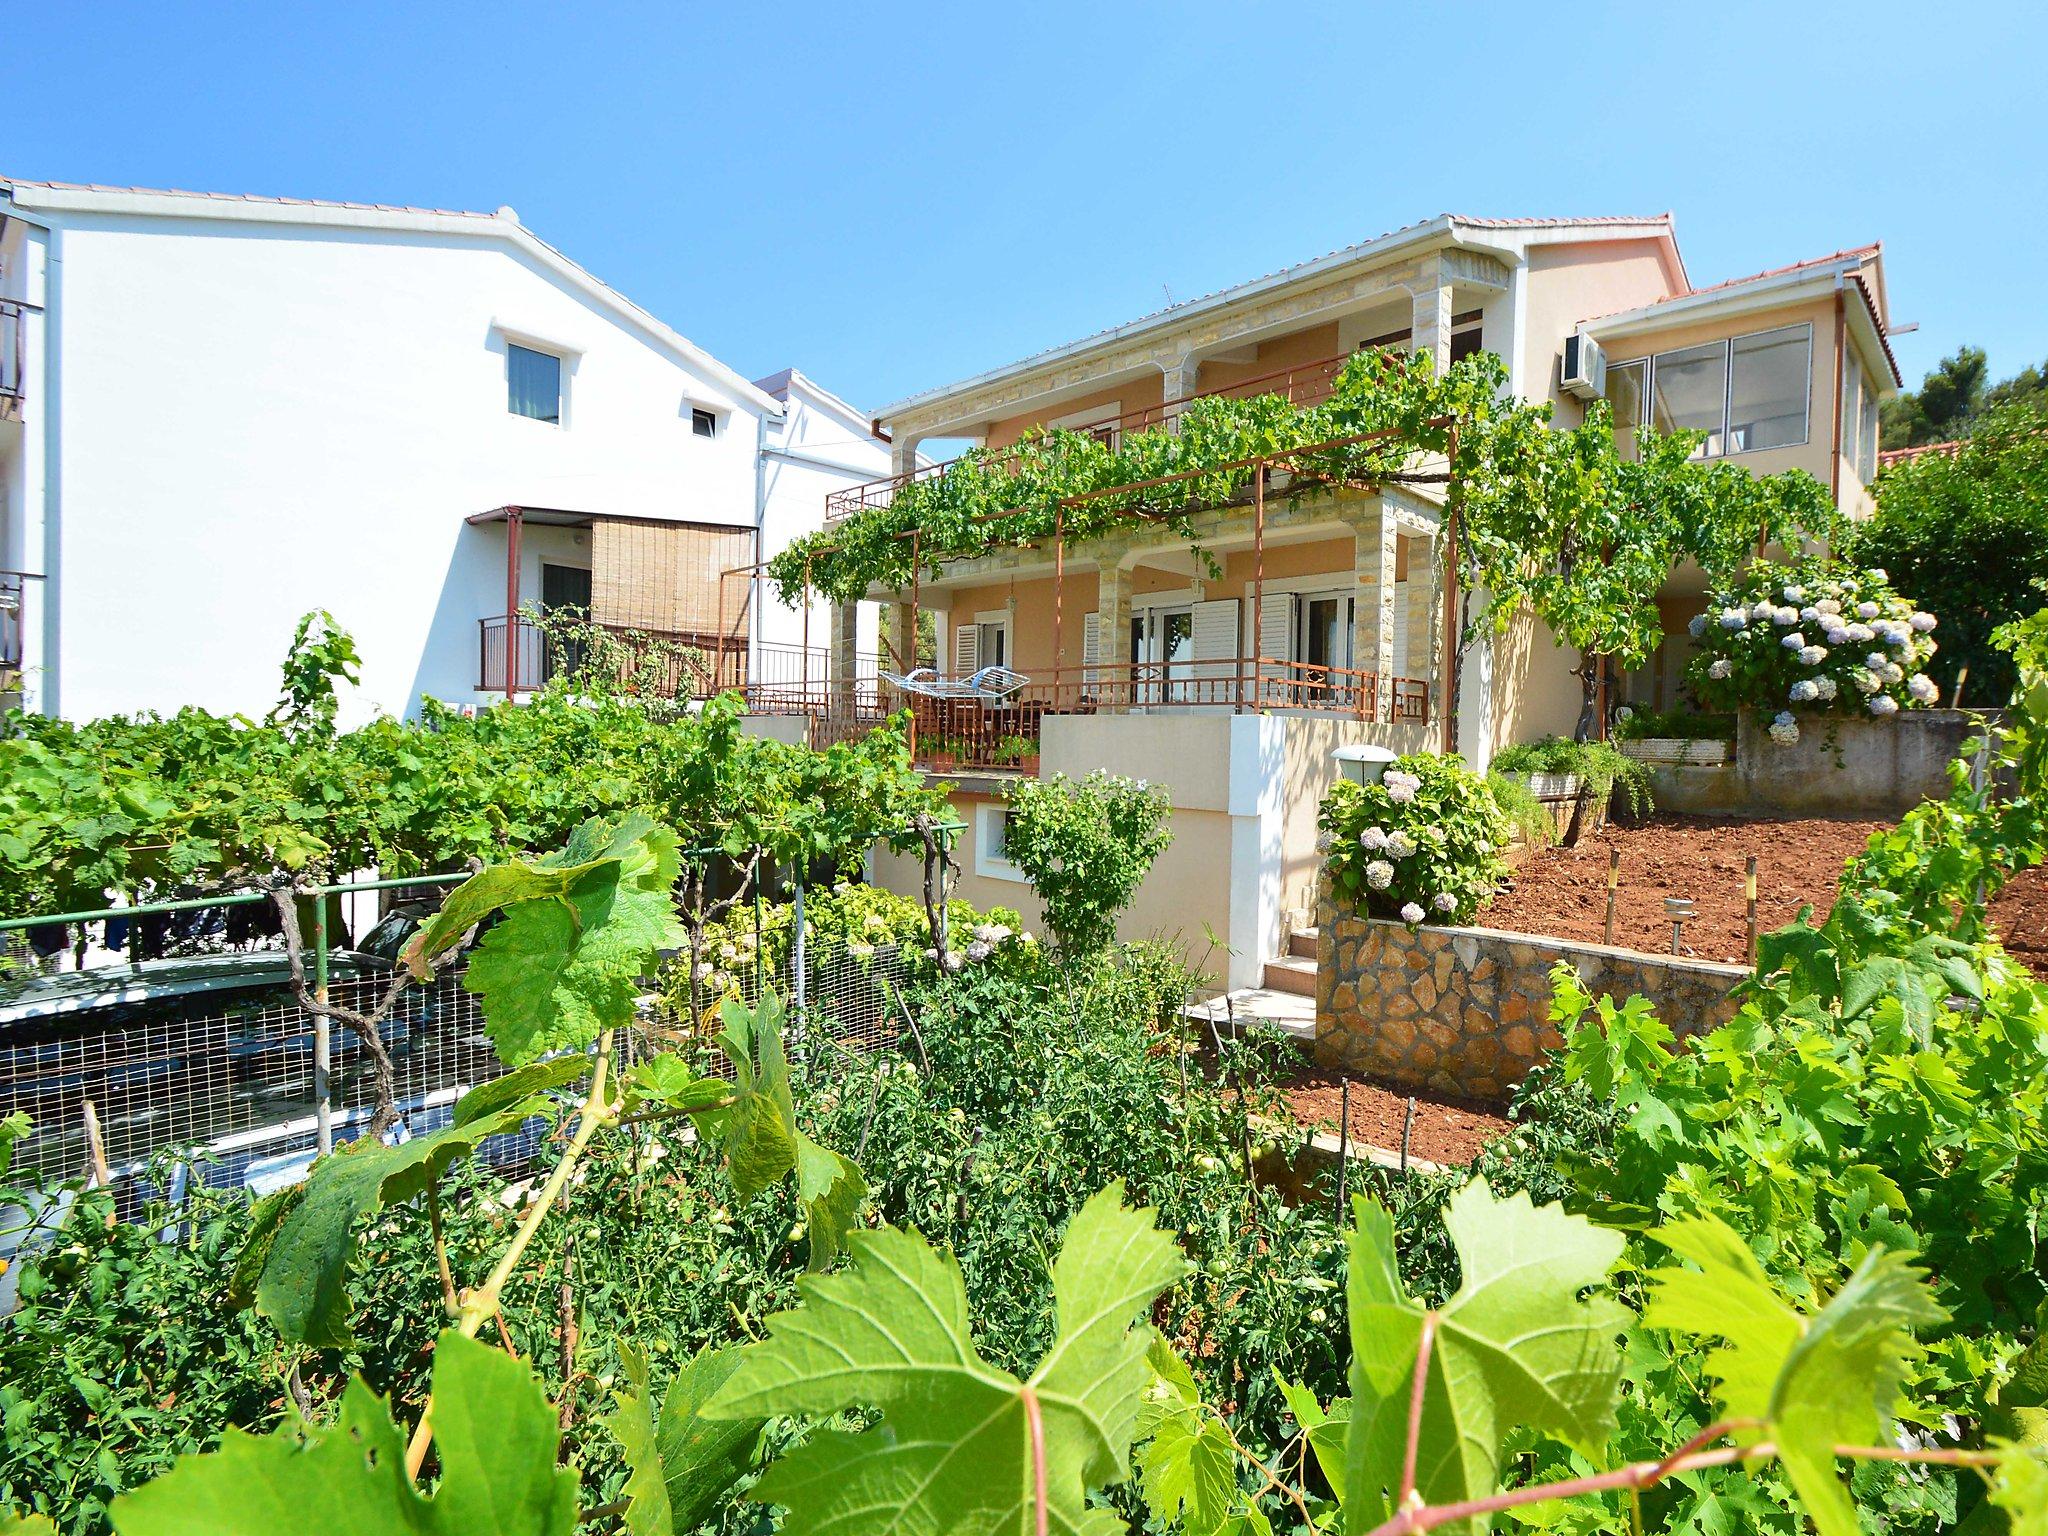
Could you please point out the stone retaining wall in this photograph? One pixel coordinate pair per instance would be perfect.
(1466, 1011)
(1841, 767)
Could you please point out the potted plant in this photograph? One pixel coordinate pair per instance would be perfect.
(1015, 751)
(1674, 737)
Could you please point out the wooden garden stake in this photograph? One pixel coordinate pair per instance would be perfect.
(1343, 1143)
(1407, 1127)
(1749, 894)
(1613, 884)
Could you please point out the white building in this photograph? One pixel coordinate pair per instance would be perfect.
(218, 412)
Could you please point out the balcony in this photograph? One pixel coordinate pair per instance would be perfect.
(13, 356)
(951, 735)
(1303, 384)
(784, 677)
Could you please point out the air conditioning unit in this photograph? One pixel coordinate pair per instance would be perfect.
(1585, 367)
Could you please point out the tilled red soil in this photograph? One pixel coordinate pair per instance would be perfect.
(2020, 913)
(1563, 891)
(1445, 1130)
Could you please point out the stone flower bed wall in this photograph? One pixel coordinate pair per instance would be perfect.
(1844, 767)
(1467, 1010)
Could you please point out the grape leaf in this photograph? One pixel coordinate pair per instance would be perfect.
(1326, 1428)
(2019, 1490)
(581, 928)
(1189, 1471)
(497, 1440)
(952, 1455)
(683, 1463)
(521, 1084)
(1514, 1346)
(294, 1266)
(760, 1139)
(12, 1524)
(1812, 1380)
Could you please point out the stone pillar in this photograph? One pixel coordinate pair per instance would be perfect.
(1180, 379)
(903, 636)
(1113, 621)
(1373, 535)
(1430, 321)
(845, 669)
(1424, 595)
(902, 453)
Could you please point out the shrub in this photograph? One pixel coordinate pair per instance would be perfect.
(1632, 724)
(1812, 638)
(1422, 844)
(1967, 533)
(1084, 845)
(1598, 765)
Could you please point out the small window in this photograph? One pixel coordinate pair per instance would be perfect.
(1627, 393)
(704, 423)
(992, 844)
(533, 383)
(1689, 392)
(1767, 389)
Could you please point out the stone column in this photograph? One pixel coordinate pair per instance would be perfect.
(903, 453)
(1373, 535)
(1430, 321)
(845, 670)
(903, 636)
(1113, 626)
(1180, 379)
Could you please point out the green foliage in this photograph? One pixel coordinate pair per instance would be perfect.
(1632, 724)
(1085, 845)
(1806, 1382)
(1814, 637)
(683, 1463)
(1967, 534)
(497, 1434)
(1600, 768)
(1514, 1346)
(321, 655)
(1422, 844)
(961, 1439)
(1953, 401)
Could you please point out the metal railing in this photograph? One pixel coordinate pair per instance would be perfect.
(12, 598)
(538, 657)
(1006, 734)
(13, 353)
(1303, 384)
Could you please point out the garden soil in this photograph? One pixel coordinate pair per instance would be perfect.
(2020, 913)
(1445, 1130)
(1562, 892)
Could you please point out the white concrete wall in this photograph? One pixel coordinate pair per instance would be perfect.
(257, 418)
(818, 448)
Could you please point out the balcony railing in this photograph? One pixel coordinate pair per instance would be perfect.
(964, 734)
(13, 353)
(13, 588)
(775, 668)
(1303, 384)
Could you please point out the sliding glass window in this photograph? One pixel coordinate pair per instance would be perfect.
(1767, 387)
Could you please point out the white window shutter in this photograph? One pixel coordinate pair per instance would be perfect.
(1402, 595)
(966, 650)
(1091, 648)
(1276, 643)
(1214, 644)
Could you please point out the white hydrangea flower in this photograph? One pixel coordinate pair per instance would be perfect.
(1878, 573)
(1862, 634)
(1763, 610)
(1812, 655)
(1411, 913)
(1784, 618)
(863, 951)
(1379, 874)
(1894, 673)
(1866, 680)
(1827, 686)
(1794, 594)
(1794, 641)
(704, 970)
(1444, 901)
(978, 951)
(1401, 787)
(727, 952)
(1922, 687)
(1809, 614)
(1884, 704)
(1482, 847)
(1721, 667)
(1734, 618)
(1400, 845)
(720, 981)
(1829, 605)
(1784, 730)
(1025, 938)
(1804, 691)
(1867, 610)
(1875, 661)
(1373, 839)
(954, 959)
(1323, 842)
(1923, 622)
(1697, 625)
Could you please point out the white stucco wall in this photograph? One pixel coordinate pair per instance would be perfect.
(250, 418)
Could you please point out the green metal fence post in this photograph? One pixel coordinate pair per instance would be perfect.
(323, 1108)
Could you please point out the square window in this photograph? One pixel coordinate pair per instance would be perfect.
(704, 423)
(533, 383)
(992, 844)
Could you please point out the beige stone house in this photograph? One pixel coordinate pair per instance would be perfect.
(1325, 625)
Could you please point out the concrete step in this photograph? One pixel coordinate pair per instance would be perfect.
(1292, 973)
(1289, 1013)
(1302, 943)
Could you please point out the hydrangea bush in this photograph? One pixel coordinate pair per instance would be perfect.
(1812, 638)
(1423, 845)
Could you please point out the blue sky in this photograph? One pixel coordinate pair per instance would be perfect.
(892, 198)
